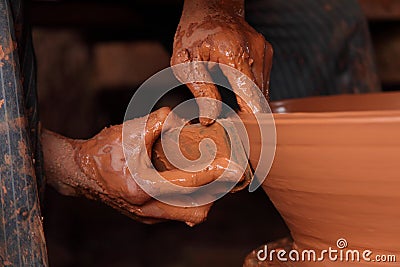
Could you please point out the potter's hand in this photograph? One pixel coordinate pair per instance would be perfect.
(106, 157)
(216, 31)
(97, 168)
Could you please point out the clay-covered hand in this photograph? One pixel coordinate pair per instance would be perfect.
(102, 158)
(216, 31)
(105, 174)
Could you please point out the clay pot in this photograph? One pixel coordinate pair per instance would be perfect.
(336, 174)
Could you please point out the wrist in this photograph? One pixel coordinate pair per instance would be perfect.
(210, 7)
(62, 171)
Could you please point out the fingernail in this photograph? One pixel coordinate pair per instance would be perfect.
(206, 121)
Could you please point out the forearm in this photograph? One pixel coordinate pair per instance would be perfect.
(234, 7)
(65, 174)
(61, 168)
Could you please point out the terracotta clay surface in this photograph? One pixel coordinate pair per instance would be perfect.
(339, 103)
(337, 174)
(189, 141)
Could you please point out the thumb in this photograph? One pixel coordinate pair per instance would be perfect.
(154, 125)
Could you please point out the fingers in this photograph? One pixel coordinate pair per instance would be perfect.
(260, 47)
(154, 211)
(190, 216)
(268, 56)
(208, 109)
(243, 84)
(154, 125)
(197, 71)
(130, 210)
(193, 179)
(134, 194)
(224, 170)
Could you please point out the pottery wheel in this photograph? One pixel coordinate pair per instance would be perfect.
(285, 244)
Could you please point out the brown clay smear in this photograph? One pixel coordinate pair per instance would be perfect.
(6, 51)
(2, 56)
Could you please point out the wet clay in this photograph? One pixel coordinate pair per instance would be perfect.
(189, 141)
(336, 174)
(97, 169)
(216, 31)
